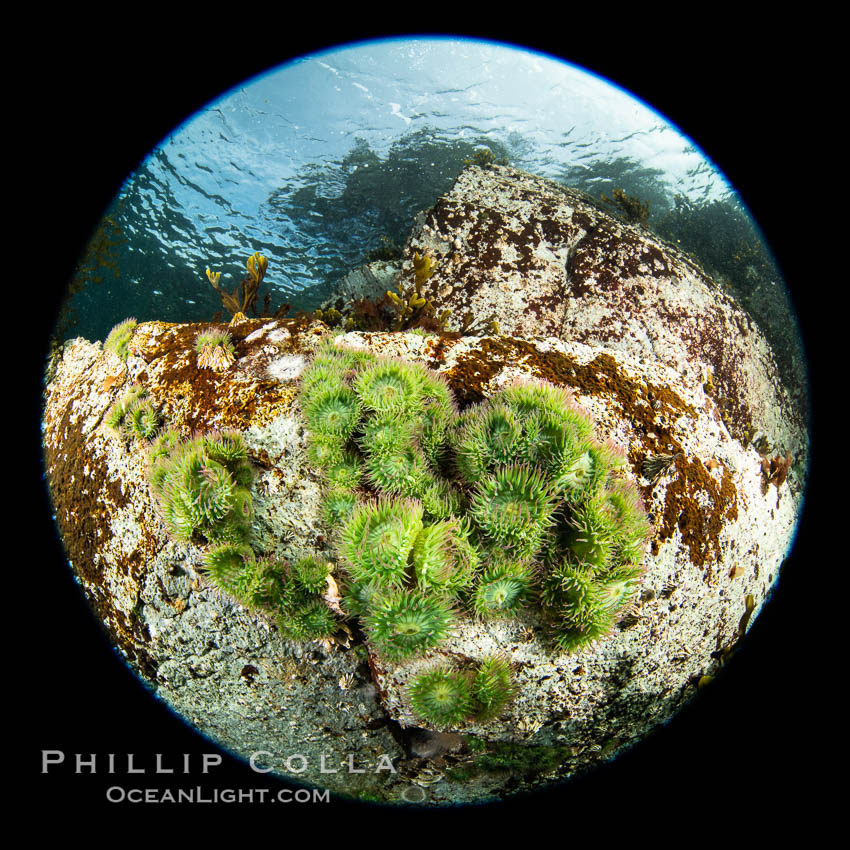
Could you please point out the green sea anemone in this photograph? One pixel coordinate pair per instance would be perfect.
(493, 687)
(379, 437)
(503, 588)
(133, 415)
(377, 538)
(142, 419)
(591, 537)
(390, 388)
(487, 510)
(442, 697)
(337, 507)
(587, 604)
(333, 412)
(490, 437)
(311, 572)
(119, 338)
(200, 495)
(443, 557)
(325, 451)
(401, 473)
(344, 474)
(513, 507)
(403, 623)
(234, 570)
(310, 620)
(215, 350)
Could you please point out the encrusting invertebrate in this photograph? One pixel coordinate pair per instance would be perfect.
(202, 486)
(445, 698)
(493, 687)
(402, 622)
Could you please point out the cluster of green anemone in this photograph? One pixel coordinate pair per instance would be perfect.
(134, 415)
(445, 697)
(437, 514)
(203, 487)
(292, 593)
(202, 484)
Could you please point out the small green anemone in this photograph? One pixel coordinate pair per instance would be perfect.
(214, 338)
(119, 338)
(200, 495)
(333, 412)
(404, 622)
(390, 388)
(312, 572)
(311, 620)
(442, 697)
(503, 588)
(224, 564)
(587, 605)
(142, 419)
(402, 473)
(325, 451)
(133, 415)
(490, 437)
(376, 540)
(379, 437)
(513, 507)
(337, 507)
(592, 534)
(493, 687)
(344, 474)
(225, 446)
(443, 557)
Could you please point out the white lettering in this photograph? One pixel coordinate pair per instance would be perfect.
(291, 769)
(211, 760)
(51, 757)
(253, 762)
(91, 762)
(384, 763)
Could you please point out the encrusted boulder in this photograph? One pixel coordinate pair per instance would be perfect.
(670, 369)
(718, 541)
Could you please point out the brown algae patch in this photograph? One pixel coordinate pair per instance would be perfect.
(694, 502)
(202, 399)
(85, 497)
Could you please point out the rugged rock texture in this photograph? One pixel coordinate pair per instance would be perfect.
(546, 261)
(661, 358)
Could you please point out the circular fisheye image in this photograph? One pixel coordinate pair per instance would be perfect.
(426, 422)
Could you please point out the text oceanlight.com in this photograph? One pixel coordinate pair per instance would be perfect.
(117, 794)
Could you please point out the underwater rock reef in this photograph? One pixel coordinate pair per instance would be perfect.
(190, 452)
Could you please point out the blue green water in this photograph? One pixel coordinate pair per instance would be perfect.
(326, 159)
